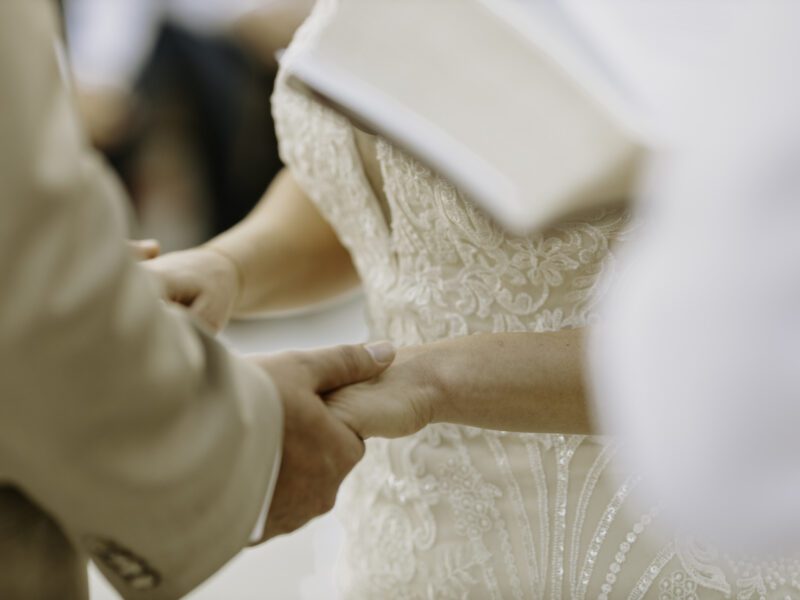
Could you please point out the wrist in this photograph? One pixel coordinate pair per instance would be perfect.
(235, 267)
(434, 400)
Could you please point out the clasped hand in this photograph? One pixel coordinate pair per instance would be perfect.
(395, 403)
(333, 399)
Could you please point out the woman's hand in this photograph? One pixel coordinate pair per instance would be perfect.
(397, 403)
(202, 279)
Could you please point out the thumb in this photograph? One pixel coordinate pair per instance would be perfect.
(336, 367)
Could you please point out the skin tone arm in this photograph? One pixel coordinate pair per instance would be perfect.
(284, 254)
(509, 381)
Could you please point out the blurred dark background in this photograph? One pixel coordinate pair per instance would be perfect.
(177, 96)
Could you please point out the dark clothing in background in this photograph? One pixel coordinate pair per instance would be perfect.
(222, 97)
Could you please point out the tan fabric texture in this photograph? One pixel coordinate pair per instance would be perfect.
(126, 432)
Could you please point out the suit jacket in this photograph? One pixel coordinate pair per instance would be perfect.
(127, 434)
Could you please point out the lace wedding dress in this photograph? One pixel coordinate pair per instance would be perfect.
(463, 513)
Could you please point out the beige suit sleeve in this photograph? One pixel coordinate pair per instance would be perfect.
(146, 441)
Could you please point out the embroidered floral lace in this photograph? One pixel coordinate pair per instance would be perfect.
(463, 513)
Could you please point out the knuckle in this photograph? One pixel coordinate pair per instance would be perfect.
(288, 361)
(301, 359)
(306, 363)
(350, 360)
(317, 419)
(350, 456)
(327, 503)
(357, 455)
(341, 409)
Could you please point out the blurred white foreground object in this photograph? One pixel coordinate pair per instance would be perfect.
(697, 365)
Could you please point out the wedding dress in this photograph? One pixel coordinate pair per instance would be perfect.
(464, 513)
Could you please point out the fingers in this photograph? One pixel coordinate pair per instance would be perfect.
(210, 311)
(332, 368)
(379, 408)
(351, 413)
(351, 448)
(144, 249)
(369, 412)
(318, 453)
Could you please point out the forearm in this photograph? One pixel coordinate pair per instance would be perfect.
(286, 253)
(510, 381)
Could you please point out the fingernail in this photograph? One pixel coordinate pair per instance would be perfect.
(381, 352)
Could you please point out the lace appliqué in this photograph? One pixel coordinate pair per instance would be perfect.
(462, 513)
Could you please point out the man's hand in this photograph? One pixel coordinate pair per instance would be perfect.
(397, 403)
(202, 279)
(318, 449)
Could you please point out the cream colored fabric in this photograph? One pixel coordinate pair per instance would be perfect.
(126, 433)
(464, 61)
(462, 513)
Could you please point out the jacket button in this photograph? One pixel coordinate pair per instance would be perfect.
(144, 582)
(125, 566)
